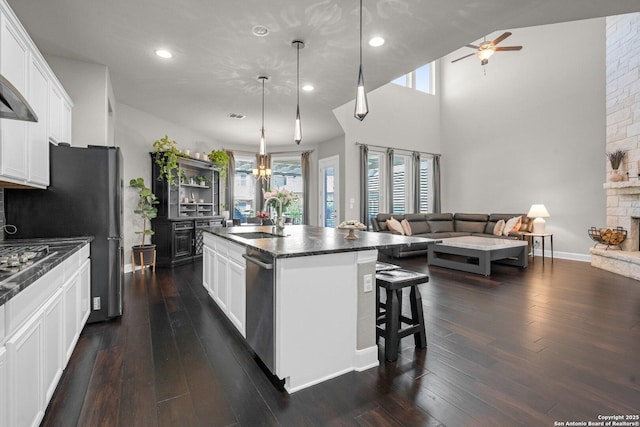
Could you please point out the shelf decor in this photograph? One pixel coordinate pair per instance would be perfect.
(166, 154)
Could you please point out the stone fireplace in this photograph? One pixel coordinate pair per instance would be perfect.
(623, 133)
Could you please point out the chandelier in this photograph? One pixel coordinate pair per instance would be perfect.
(262, 172)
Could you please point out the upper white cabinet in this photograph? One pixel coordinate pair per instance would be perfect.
(14, 57)
(60, 115)
(24, 146)
(38, 133)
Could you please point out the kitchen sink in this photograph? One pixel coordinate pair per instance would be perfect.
(255, 235)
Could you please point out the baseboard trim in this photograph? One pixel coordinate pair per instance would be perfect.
(572, 256)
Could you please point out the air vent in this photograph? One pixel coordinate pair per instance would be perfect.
(236, 116)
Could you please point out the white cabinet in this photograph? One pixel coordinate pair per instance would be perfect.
(224, 273)
(38, 133)
(43, 323)
(60, 115)
(208, 260)
(72, 327)
(237, 295)
(24, 150)
(55, 113)
(4, 390)
(65, 119)
(24, 362)
(220, 279)
(52, 344)
(14, 57)
(85, 293)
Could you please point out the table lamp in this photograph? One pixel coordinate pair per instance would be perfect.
(538, 212)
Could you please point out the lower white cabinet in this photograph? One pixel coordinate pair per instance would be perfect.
(224, 272)
(85, 292)
(208, 260)
(25, 354)
(4, 387)
(53, 339)
(220, 279)
(38, 346)
(237, 295)
(71, 298)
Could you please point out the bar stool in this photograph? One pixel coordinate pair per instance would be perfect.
(389, 318)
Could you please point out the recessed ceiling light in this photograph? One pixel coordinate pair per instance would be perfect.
(163, 53)
(308, 88)
(260, 31)
(376, 41)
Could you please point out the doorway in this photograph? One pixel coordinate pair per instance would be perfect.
(329, 191)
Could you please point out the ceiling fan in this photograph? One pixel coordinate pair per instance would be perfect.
(486, 49)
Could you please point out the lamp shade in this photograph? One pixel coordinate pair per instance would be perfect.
(538, 211)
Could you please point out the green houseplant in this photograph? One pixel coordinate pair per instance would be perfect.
(166, 154)
(220, 158)
(144, 254)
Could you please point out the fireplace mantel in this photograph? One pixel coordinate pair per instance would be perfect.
(624, 187)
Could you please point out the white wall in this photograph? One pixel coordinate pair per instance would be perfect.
(333, 147)
(135, 132)
(398, 117)
(89, 86)
(532, 130)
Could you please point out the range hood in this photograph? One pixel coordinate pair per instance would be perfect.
(12, 103)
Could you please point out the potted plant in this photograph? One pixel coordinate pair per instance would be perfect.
(615, 158)
(144, 254)
(166, 154)
(220, 158)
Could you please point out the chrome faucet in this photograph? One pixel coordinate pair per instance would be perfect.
(278, 228)
(266, 201)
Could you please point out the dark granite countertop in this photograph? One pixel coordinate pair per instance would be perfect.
(63, 248)
(305, 240)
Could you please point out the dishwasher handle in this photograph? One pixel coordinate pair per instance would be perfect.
(258, 262)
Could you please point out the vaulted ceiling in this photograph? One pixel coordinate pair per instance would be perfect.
(217, 59)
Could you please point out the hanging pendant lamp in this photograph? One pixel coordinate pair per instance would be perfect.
(362, 107)
(297, 133)
(261, 172)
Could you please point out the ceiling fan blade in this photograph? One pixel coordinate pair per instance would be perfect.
(509, 48)
(466, 56)
(472, 46)
(502, 37)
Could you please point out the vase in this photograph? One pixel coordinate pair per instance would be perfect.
(616, 176)
(279, 222)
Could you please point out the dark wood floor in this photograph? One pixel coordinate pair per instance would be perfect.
(559, 342)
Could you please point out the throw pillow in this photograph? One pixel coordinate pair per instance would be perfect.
(498, 228)
(512, 224)
(406, 227)
(394, 225)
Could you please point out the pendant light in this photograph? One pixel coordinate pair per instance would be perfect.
(261, 172)
(297, 134)
(362, 108)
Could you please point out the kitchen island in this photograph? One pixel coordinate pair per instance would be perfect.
(304, 301)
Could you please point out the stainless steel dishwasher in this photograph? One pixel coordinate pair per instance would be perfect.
(260, 310)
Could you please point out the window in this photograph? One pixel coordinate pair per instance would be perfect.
(401, 183)
(420, 79)
(411, 187)
(425, 204)
(244, 188)
(287, 174)
(375, 179)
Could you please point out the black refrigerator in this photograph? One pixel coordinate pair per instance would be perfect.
(84, 198)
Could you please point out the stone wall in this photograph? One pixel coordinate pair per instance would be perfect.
(623, 90)
(623, 121)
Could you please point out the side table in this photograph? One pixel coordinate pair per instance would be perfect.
(531, 237)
